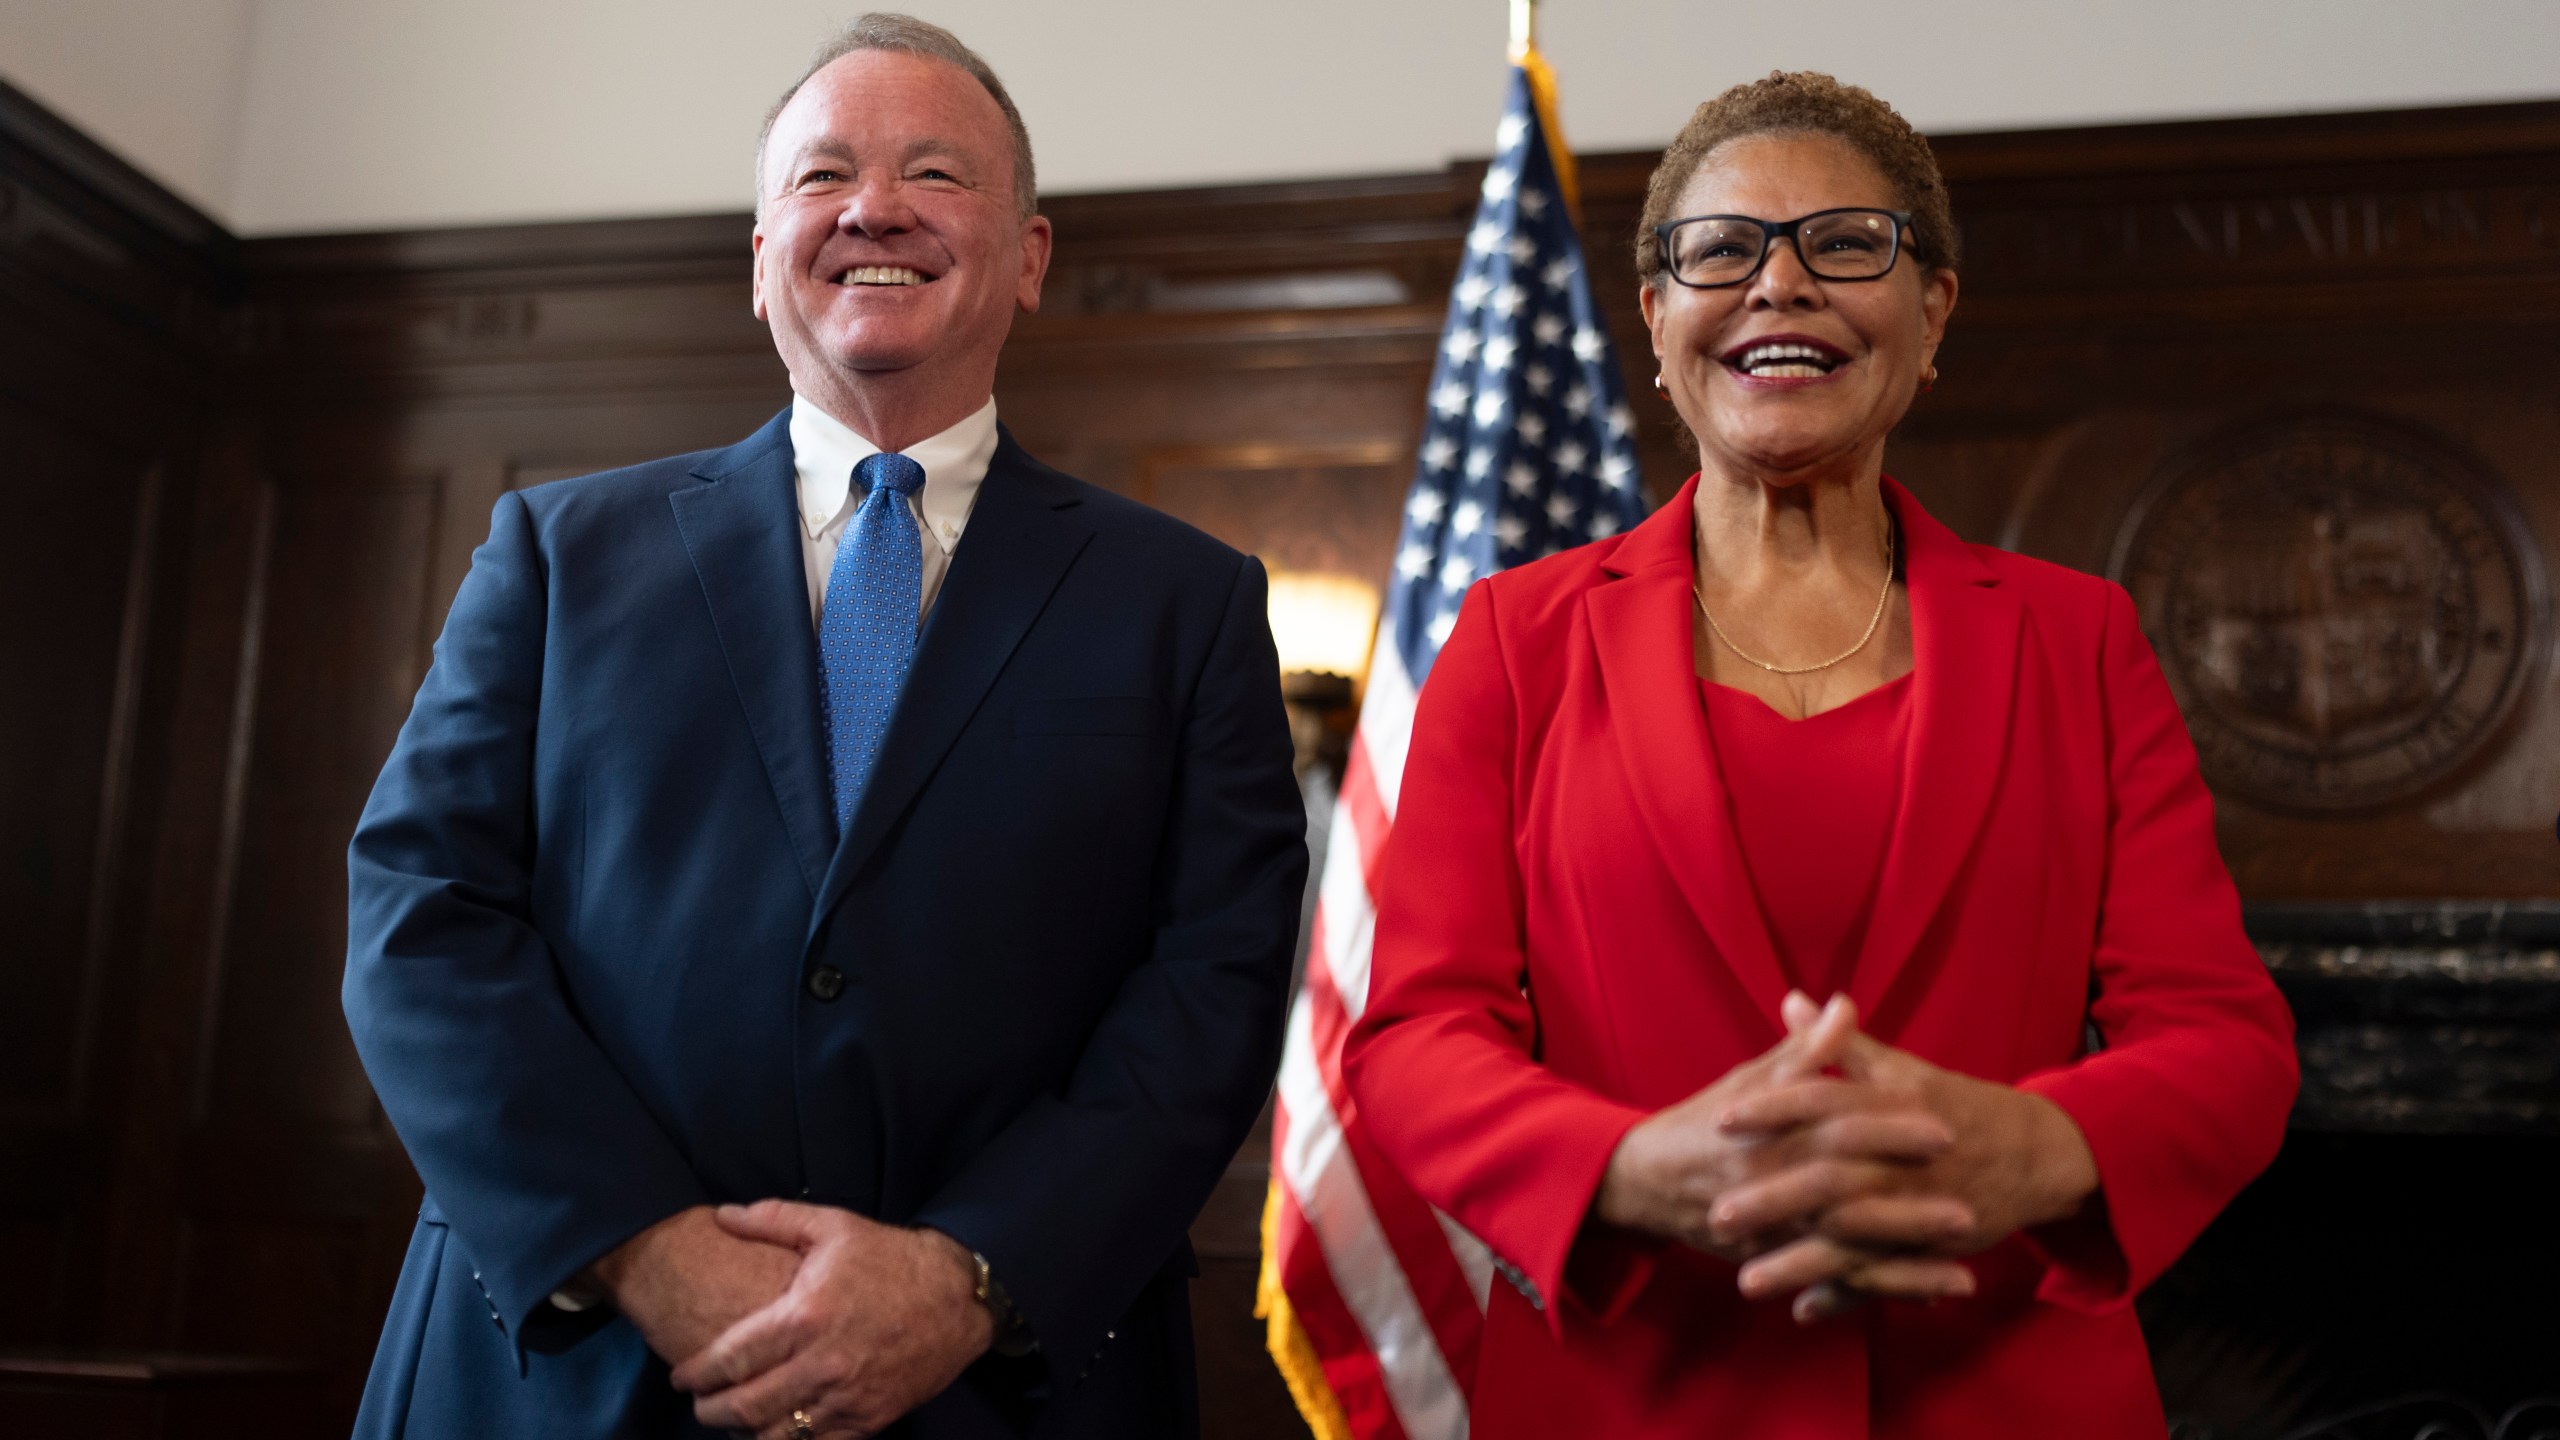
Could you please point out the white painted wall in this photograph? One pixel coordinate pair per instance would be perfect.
(158, 81)
(309, 115)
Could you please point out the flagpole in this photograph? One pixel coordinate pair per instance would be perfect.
(1371, 1300)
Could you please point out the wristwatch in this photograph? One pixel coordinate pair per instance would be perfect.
(1013, 1337)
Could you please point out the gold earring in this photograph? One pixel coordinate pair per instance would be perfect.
(1659, 388)
(1928, 379)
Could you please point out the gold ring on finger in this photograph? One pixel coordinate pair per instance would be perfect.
(801, 1426)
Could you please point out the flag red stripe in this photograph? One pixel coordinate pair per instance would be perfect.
(1349, 1365)
(1362, 810)
(1439, 1285)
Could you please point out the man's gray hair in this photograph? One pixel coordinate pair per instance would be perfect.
(907, 35)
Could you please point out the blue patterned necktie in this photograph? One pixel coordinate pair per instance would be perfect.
(867, 628)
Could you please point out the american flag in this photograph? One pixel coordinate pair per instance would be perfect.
(1373, 1297)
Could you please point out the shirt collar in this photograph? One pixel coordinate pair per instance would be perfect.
(824, 451)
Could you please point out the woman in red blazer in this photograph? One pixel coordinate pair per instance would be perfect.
(1791, 737)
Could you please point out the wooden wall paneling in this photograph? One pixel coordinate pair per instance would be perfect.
(1328, 509)
(297, 1200)
(463, 501)
(337, 663)
(1120, 427)
(82, 556)
(392, 329)
(67, 765)
(246, 1199)
(110, 302)
(161, 1397)
(1302, 315)
(117, 262)
(198, 815)
(76, 557)
(2119, 314)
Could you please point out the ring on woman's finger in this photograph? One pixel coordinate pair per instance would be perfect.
(1822, 1300)
(801, 1428)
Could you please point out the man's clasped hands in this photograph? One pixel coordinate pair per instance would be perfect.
(778, 1307)
(1837, 1169)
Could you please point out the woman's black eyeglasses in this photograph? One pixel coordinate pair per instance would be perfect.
(1710, 252)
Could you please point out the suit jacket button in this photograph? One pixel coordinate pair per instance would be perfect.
(826, 983)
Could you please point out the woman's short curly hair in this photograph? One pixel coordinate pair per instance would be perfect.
(1807, 102)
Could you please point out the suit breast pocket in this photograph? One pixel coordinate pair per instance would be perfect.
(1138, 717)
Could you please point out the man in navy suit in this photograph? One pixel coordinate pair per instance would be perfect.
(826, 922)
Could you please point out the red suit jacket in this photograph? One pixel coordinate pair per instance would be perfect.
(1567, 941)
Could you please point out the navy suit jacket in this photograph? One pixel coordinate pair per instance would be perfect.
(600, 870)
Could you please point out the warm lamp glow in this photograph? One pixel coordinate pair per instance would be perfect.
(1323, 623)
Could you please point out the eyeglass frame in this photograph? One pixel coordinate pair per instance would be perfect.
(1771, 232)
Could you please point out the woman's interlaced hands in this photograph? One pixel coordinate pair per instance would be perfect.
(1838, 1169)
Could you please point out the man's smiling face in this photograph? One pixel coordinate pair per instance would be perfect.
(889, 239)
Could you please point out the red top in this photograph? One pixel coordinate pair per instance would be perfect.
(1568, 941)
(1813, 804)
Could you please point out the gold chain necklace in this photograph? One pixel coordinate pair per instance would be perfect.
(1872, 621)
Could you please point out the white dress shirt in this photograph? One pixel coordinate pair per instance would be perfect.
(824, 451)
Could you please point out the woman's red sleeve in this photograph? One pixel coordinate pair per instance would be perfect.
(1442, 1061)
(2187, 1101)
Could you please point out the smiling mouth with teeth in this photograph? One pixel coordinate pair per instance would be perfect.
(882, 275)
(1787, 360)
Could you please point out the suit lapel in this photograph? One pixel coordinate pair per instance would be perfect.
(1964, 642)
(1021, 537)
(742, 531)
(1640, 626)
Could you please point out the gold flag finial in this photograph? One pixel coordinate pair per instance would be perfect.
(1542, 93)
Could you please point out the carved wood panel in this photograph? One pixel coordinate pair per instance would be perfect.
(79, 517)
(106, 304)
(75, 562)
(1325, 510)
(336, 658)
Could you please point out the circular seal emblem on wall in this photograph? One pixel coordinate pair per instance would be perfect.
(2346, 611)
